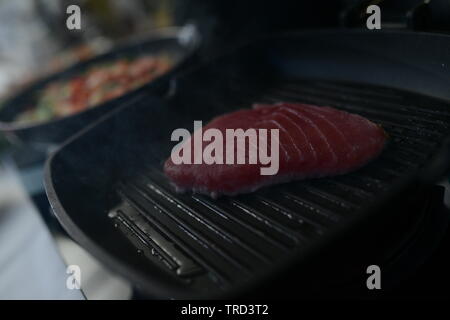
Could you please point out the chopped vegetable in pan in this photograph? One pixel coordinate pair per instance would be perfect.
(98, 84)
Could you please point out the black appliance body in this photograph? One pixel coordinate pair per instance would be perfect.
(189, 246)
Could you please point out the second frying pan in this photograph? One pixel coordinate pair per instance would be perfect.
(107, 188)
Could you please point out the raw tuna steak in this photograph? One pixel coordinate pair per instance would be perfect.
(313, 142)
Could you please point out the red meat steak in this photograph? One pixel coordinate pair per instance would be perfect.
(313, 142)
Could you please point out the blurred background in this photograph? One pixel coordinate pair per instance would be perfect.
(34, 43)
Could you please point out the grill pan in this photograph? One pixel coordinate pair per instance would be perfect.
(107, 188)
(173, 41)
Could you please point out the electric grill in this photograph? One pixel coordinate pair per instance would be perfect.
(178, 43)
(116, 202)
